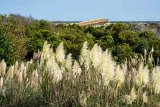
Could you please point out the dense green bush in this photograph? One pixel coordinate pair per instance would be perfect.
(6, 52)
(27, 36)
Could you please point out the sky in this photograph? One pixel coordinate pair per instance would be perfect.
(81, 10)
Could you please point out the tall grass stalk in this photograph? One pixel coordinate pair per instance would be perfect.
(94, 80)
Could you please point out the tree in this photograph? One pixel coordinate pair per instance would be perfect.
(122, 52)
(118, 28)
(106, 42)
(6, 52)
(129, 37)
(146, 34)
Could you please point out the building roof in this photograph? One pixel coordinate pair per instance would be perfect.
(94, 22)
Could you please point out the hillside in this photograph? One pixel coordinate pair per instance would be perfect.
(26, 35)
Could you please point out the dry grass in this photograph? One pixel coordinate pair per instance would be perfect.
(95, 80)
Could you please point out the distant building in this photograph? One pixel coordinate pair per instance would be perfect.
(94, 23)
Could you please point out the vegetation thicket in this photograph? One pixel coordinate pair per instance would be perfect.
(27, 35)
(56, 79)
(43, 64)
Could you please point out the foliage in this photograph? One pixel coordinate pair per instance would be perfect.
(27, 36)
(123, 52)
(6, 52)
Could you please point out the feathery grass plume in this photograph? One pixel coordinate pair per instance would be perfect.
(142, 77)
(3, 66)
(20, 72)
(100, 55)
(124, 68)
(50, 60)
(10, 72)
(144, 98)
(45, 52)
(1, 82)
(29, 62)
(119, 76)
(76, 69)
(150, 58)
(127, 99)
(107, 67)
(131, 97)
(16, 66)
(51, 56)
(83, 99)
(85, 56)
(51, 65)
(20, 76)
(84, 52)
(68, 62)
(45, 49)
(37, 55)
(55, 73)
(84, 96)
(34, 79)
(60, 53)
(96, 56)
(156, 79)
(23, 69)
(133, 94)
(104, 68)
(133, 61)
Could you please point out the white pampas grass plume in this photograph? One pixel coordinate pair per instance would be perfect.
(133, 94)
(46, 53)
(76, 69)
(151, 55)
(51, 56)
(142, 77)
(68, 62)
(21, 72)
(84, 52)
(107, 68)
(34, 79)
(96, 56)
(83, 99)
(124, 67)
(45, 49)
(20, 77)
(128, 99)
(50, 61)
(144, 98)
(50, 65)
(131, 97)
(156, 79)
(1, 82)
(29, 62)
(16, 66)
(119, 76)
(60, 54)
(10, 72)
(23, 69)
(55, 73)
(85, 56)
(3, 66)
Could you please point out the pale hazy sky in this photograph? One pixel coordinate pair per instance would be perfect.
(79, 10)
